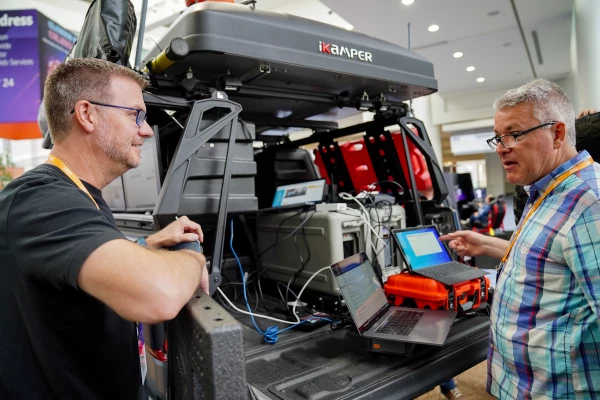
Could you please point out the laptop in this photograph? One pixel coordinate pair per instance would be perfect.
(425, 254)
(297, 195)
(374, 317)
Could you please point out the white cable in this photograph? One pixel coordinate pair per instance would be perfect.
(257, 315)
(304, 287)
(347, 196)
(350, 197)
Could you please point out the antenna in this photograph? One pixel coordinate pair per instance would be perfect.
(138, 51)
(410, 109)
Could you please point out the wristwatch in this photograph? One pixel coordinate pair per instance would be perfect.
(142, 241)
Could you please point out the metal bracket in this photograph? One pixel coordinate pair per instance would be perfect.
(192, 139)
(423, 143)
(336, 166)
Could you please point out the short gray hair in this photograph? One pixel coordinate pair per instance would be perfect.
(550, 103)
(80, 79)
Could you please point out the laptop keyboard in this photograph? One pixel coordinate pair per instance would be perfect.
(446, 269)
(400, 323)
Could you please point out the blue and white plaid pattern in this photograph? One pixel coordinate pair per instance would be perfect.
(545, 321)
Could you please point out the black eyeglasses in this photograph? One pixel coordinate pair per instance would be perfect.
(140, 115)
(510, 140)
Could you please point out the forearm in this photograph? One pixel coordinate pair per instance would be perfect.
(495, 247)
(142, 285)
(182, 272)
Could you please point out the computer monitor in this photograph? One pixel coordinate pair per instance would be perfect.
(114, 195)
(142, 184)
(299, 193)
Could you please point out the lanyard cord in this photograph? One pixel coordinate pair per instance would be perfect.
(538, 202)
(57, 162)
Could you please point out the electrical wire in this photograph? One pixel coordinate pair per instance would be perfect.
(347, 196)
(271, 335)
(304, 287)
(259, 273)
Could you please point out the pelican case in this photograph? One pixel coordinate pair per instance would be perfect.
(406, 290)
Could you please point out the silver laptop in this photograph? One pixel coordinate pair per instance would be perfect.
(426, 255)
(374, 317)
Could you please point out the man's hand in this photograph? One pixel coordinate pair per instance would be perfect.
(466, 243)
(473, 244)
(583, 113)
(181, 230)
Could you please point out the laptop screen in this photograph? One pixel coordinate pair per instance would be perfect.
(299, 193)
(422, 247)
(361, 289)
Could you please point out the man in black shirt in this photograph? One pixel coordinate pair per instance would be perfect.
(71, 285)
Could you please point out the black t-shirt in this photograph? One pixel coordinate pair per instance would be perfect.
(56, 341)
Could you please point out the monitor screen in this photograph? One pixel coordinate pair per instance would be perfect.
(422, 247)
(114, 196)
(142, 184)
(361, 289)
(299, 193)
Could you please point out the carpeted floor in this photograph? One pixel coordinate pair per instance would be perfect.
(470, 382)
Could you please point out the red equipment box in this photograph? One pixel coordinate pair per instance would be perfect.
(360, 168)
(406, 290)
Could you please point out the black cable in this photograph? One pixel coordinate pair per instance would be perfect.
(277, 241)
(262, 297)
(303, 263)
(380, 182)
(286, 237)
(150, 37)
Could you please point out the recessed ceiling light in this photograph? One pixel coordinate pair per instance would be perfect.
(480, 80)
(349, 27)
(470, 69)
(433, 28)
(407, 2)
(458, 54)
(493, 13)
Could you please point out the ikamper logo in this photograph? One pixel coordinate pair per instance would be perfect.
(329, 48)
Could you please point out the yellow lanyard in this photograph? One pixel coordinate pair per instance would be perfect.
(537, 203)
(57, 162)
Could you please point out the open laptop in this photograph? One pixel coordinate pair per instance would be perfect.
(374, 317)
(297, 195)
(425, 254)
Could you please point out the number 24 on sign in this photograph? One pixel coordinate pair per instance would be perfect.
(8, 82)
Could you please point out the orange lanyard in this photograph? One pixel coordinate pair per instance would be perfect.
(538, 202)
(57, 162)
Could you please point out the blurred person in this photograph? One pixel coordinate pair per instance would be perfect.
(545, 326)
(480, 217)
(71, 285)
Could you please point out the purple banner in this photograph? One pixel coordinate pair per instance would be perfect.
(55, 44)
(19, 67)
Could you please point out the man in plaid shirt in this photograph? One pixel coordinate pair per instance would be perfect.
(545, 320)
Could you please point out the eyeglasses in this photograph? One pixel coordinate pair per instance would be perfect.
(510, 140)
(140, 115)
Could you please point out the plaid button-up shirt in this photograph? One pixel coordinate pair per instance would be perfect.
(545, 321)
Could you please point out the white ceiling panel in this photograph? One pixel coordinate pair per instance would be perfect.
(485, 31)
